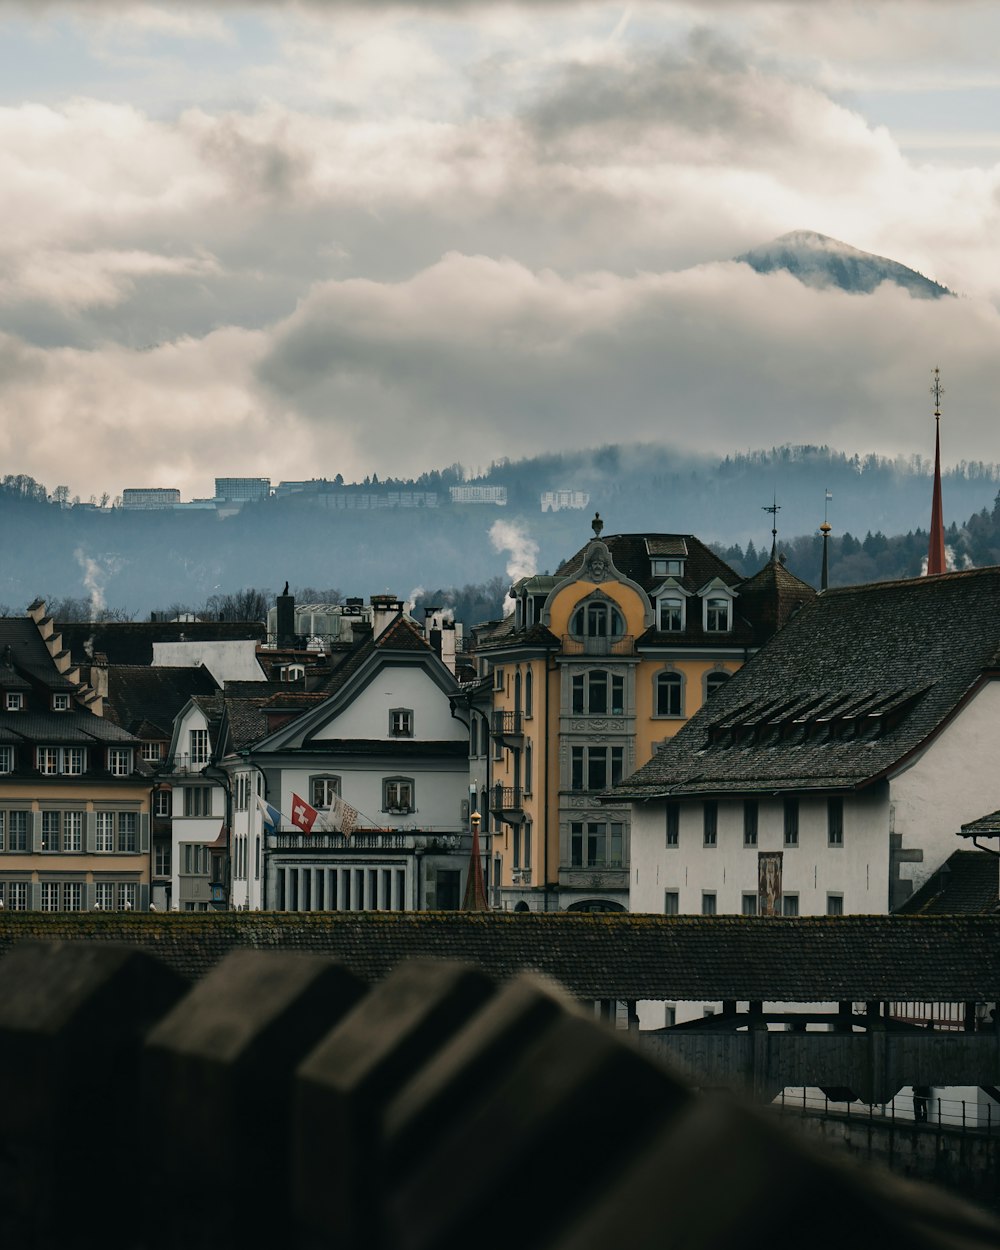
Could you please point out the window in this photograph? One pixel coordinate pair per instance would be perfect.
(750, 813)
(710, 822)
(14, 831)
(673, 824)
(104, 896)
(14, 702)
(835, 822)
(791, 822)
(105, 836)
(196, 859)
(670, 614)
(789, 904)
(597, 619)
(14, 895)
(397, 794)
(51, 840)
(663, 567)
(241, 792)
(670, 1015)
(72, 833)
(708, 903)
(292, 672)
(527, 844)
(715, 681)
(119, 761)
(598, 692)
(198, 740)
(595, 768)
(528, 779)
(161, 804)
(474, 736)
(127, 825)
(671, 903)
(50, 895)
(835, 904)
(197, 801)
(529, 692)
(72, 896)
(60, 703)
(401, 722)
(596, 844)
(74, 761)
(749, 905)
(48, 761)
(516, 861)
(6, 760)
(161, 859)
(717, 615)
(323, 791)
(498, 677)
(669, 691)
(150, 752)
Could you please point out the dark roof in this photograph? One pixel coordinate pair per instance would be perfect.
(967, 882)
(816, 959)
(632, 555)
(858, 679)
(402, 634)
(398, 748)
(131, 642)
(984, 827)
(29, 656)
(144, 698)
(74, 727)
(246, 722)
(770, 598)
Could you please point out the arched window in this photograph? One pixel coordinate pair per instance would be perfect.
(474, 736)
(529, 692)
(718, 615)
(595, 905)
(714, 680)
(597, 618)
(669, 694)
(670, 614)
(527, 769)
(517, 691)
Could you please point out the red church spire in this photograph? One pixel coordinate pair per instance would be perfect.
(935, 553)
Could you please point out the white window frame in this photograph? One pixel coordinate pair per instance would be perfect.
(104, 833)
(60, 703)
(151, 752)
(400, 722)
(72, 833)
(7, 758)
(120, 763)
(14, 701)
(128, 833)
(394, 790)
(330, 787)
(199, 746)
(162, 804)
(677, 682)
(714, 596)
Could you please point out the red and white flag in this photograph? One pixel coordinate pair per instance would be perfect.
(303, 815)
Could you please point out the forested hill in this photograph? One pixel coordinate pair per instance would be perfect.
(133, 562)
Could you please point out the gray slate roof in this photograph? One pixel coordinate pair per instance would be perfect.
(858, 679)
(967, 882)
(670, 958)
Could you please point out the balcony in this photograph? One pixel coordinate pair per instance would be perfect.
(507, 728)
(603, 646)
(374, 841)
(506, 804)
(182, 765)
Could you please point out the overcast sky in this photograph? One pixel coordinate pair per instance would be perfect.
(303, 239)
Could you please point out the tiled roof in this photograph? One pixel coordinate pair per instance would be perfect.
(131, 642)
(967, 882)
(770, 598)
(29, 655)
(247, 723)
(631, 554)
(140, 694)
(858, 679)
(61, 728)
(669, 958)
(402, 635)
(984, 827)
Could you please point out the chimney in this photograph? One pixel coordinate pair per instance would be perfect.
(285, 618)
(448, 640)
(385, 609)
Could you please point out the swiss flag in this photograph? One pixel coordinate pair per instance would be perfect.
(303, 816)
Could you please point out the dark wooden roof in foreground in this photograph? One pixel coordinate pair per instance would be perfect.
(816, 959)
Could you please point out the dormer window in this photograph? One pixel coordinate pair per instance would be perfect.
(670, 614)
(667, 568)
(119, 761)
(60, 703)
(718, 615)
(14, 702)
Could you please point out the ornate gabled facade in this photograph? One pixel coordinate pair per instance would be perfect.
(599, 664)
(74, 791)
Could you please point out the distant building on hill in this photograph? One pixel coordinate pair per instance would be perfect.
(556, 500)
(479, 494)
(242, 489)
(149, 497)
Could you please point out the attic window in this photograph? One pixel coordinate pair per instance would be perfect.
(14, 702)
(60, 703)
(667, 568)
(401, 722)
(717, 615)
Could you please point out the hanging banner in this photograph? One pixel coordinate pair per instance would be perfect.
(769, 883)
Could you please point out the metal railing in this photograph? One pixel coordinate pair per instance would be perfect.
(388, 841)
(505, 798)
(910, 1110)
(183, 763)
(507, 724)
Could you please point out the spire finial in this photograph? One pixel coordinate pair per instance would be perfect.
(597, 525)
(936, 560)
(774, 508)
(824, 529)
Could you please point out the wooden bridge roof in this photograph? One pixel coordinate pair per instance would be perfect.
(623, 956)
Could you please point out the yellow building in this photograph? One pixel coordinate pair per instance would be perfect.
(596, 666)
(74, 794)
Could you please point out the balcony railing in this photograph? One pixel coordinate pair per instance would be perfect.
(185, 763)
(572, 644)
(505, 801)
(337, 842)
(507, 725)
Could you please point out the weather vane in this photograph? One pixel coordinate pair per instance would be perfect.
(774, 508)
(937, 390)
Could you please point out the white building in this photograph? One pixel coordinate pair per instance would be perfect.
(479, 494)
(150, 497)
(829, 775)
(198, 843)
(556, 500)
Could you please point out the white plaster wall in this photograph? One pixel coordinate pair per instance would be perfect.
(859, 870)
(397, 686)
(233, 660)
(192, 829)
(439, 792)
(957, 779)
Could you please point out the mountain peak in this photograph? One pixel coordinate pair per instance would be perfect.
(819, 261)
